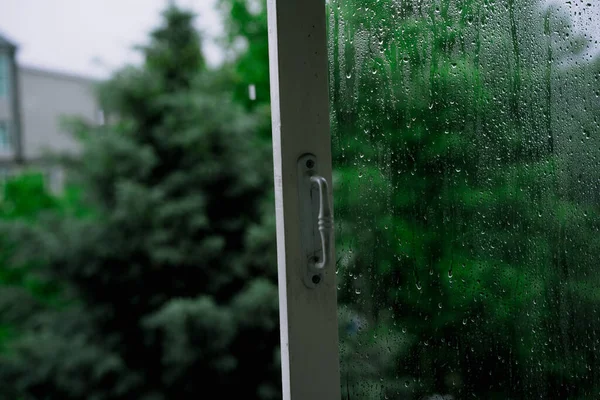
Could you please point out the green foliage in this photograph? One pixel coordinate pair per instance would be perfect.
(25, 197)
(248, 49)
(453, 213)
(171, 279)
(26, 289)
(246, 38)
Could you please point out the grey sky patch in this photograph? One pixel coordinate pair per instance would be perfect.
(94, 37)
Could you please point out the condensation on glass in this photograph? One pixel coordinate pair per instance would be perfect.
(466, 151)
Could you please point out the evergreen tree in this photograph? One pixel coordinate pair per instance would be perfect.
(172, 277)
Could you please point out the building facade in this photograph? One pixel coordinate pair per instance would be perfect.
(33, 104)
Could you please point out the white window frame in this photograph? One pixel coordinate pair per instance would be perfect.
(300, 117)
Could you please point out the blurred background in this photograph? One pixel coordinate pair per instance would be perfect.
(137, 254)
(137, 244)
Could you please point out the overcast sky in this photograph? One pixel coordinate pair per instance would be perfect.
(92, 37)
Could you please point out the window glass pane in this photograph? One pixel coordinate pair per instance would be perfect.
(466, 145)
(4, 75)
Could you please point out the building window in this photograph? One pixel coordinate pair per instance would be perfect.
(4, 75)
(5, 140)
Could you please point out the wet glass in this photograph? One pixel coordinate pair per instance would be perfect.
(466, 167)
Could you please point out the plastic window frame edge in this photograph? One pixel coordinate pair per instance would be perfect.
(300, 118)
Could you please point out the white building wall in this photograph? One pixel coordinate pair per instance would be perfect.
(47, 97)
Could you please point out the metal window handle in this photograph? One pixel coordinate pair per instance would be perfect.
(315, 222)
(325, 222)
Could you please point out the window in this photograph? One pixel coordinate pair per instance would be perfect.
(4, 75)
(464, 149)
(5, 139)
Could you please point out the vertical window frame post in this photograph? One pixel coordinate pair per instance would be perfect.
(300, 117)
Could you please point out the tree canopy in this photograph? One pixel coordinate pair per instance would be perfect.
(171, 281)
